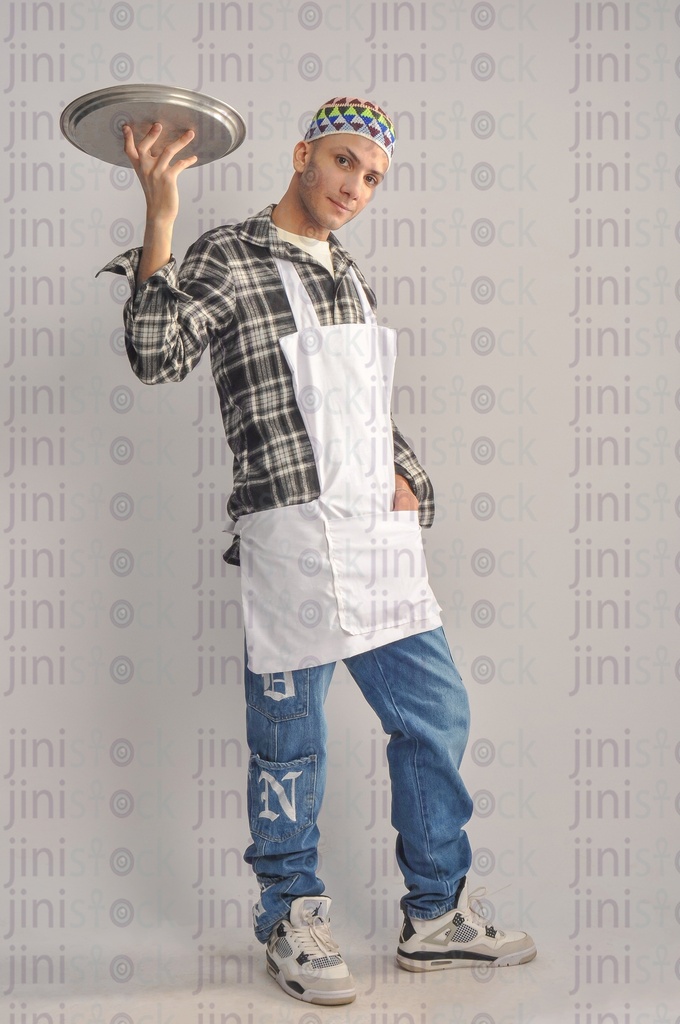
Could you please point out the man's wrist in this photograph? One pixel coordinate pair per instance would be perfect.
(402, 483)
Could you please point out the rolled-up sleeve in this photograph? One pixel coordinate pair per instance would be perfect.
(172, 316)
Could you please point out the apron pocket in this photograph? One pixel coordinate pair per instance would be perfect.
(379, 570)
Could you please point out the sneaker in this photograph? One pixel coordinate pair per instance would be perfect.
(460, 938)
(305, 959)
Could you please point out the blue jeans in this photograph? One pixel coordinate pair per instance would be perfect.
(417, 693)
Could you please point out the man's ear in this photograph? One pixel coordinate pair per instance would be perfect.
(301, 155)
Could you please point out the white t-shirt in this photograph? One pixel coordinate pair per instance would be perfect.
(321, 251)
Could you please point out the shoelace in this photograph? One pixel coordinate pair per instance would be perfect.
(319, 937)
(478, 916)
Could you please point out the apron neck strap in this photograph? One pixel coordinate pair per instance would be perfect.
(301, 304)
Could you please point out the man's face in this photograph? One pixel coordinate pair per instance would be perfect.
(337, 177)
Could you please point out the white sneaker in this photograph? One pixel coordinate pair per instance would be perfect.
(305, 959)
(460, 938)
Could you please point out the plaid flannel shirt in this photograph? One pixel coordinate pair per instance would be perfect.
(228, 295)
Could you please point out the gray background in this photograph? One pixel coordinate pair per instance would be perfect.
(111, 685)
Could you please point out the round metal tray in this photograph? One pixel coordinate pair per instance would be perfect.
(93, 122)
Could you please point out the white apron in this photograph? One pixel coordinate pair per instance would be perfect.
(342, 574)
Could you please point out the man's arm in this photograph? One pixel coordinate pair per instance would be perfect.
(406, 466)
(158, 179)
(169, 318)
(404, 498)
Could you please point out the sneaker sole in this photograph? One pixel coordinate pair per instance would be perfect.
(441, 964)
(295, 990)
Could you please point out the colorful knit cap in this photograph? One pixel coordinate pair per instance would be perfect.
(347, 114)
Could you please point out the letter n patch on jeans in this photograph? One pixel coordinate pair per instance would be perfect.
(281, 797)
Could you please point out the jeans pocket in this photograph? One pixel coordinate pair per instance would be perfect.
(379, 570)
(281, 797)
(279, 696)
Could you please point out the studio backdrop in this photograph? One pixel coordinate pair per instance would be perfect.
(525, 246)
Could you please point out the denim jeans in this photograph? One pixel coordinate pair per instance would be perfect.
(417, 693)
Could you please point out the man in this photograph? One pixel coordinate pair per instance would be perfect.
(327, 505)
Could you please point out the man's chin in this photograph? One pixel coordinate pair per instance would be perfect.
(329, 220)
(340, 218)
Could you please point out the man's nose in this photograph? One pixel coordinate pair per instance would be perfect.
(351, 185)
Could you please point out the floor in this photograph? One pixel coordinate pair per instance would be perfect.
(224, 982)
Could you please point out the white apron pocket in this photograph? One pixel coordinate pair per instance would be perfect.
(379, 571)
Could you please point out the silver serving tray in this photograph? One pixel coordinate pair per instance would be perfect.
(94, 122)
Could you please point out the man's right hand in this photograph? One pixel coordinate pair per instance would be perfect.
(158, 179)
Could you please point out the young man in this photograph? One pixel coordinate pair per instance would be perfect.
(327, 505)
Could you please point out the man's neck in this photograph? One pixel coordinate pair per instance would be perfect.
(289, 215)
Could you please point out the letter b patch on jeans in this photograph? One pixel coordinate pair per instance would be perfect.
(279, 685)
(281, 797)
(279, 696)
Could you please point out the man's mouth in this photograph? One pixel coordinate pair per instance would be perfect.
(340, 206)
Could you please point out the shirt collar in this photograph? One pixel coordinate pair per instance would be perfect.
(260, 230)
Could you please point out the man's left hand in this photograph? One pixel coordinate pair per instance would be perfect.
(404, 498)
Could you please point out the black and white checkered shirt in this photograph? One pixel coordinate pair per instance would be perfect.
(228, 294)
